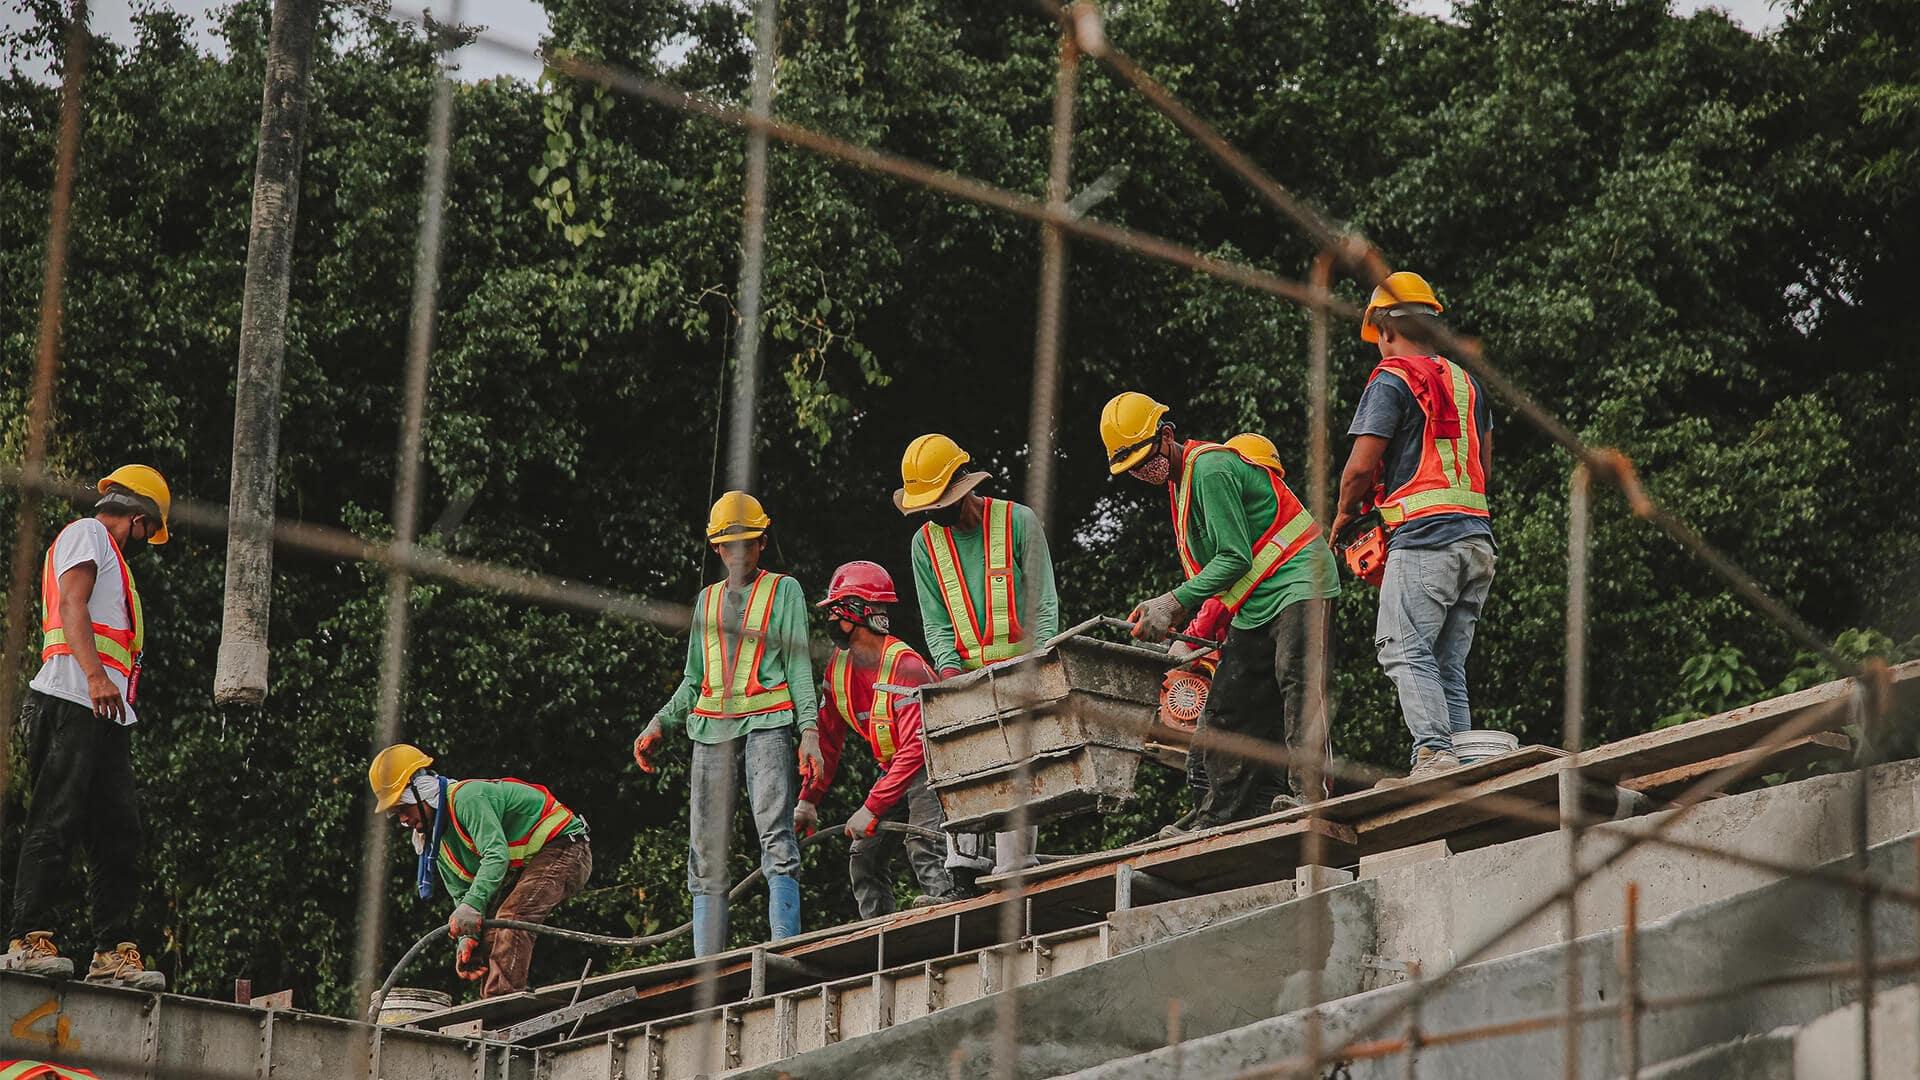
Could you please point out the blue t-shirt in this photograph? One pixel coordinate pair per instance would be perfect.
(1387, 409)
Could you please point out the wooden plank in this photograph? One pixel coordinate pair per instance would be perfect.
(1820, 746)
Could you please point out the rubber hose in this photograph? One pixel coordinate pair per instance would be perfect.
(735, 893)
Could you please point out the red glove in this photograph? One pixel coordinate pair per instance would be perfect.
(643, 746)
(464, 963)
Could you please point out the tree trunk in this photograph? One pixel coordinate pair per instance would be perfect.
(241, 677)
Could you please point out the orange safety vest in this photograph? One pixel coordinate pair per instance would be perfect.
(41, 1070)
(879, 727)
(464, 857)
(119, 649)
(1293, 527)
(742, 693)
(1450, 479)
(1002, 637)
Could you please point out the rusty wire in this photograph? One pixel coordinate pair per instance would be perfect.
(46, 367)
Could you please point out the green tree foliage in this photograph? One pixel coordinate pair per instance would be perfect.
(1692, 243)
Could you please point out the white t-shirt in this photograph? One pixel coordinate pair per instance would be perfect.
(86, 541)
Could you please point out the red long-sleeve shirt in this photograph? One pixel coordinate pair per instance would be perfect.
(909, 754)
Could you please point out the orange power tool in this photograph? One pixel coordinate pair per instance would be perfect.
(1363, 546)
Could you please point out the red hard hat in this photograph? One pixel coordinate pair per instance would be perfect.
(867, 580)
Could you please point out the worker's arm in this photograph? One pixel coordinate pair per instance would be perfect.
(1036, 577)
(674, 712)
(76, 588)
(833, 736)
(1216, 487)
(788, 631)
(910, 751)
(1486, 454)
(935, 624)
(1358, 478)
(478, 812)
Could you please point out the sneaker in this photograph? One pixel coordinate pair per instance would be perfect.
(36, 954)
(1428, 763)
(1282, 803)
(1187, 826)
(123, 967)
(927, 900)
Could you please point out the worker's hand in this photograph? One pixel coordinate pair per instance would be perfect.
(1341, 520)
(464, 922)
(806, 818)
(1154, 619)
(862, 823)
(643, 746)
(106, 697)
(1182, 651)
(464, 964)
(811, 763)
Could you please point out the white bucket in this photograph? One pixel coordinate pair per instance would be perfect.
(1476, 746)
(406, 1003)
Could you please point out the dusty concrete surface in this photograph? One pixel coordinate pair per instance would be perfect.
(1779, 927)
(1829, 1048)
(1224, 976)
(1754, 1057)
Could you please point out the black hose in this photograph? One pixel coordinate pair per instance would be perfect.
(739, 890)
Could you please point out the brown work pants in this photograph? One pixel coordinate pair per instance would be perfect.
(555, 872)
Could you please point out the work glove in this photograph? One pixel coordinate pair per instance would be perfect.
(811, 763)
(1182, 651)
(1153, 620)
(643, 746)
(464, 922)
(862, 823)
(464, 964)
(806, 818)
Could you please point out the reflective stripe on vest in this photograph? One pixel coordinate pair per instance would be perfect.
(1292, 529)
(552, 818)
(35, 1070)
(743, 695)
(1449, 479)
(879, 729)
(119, 649)
(1003, 634)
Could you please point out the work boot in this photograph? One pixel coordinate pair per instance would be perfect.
(1283, 803)
(927, 900)
(1192, 823)
(1427, 764)
(36, 954)
(123, 967)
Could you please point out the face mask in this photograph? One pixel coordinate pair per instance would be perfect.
(1154, 470)
(419, 842)
(947, 517)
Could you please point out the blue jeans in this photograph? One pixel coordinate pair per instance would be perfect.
(1430, 601)
(772, 786)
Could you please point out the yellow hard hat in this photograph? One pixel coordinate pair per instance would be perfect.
(144, 480)
(926, 469)
(1401, 287)
(1258, 449)
(736, 516)
(392, 770)
(1128, 425)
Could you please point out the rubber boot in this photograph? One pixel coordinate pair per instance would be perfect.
(709, 925)
(783, 905)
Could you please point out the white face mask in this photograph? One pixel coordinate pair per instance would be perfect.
(1154, 470)
(419, 842)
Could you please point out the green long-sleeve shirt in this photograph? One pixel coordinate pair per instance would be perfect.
(492, 813)
(1231, 505)
(1032, 563)
(785, 659)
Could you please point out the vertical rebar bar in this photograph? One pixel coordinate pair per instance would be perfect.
(46, 367)
(1866, 714)
(1630, 983)
(1573, 732)
(240, 668)
(1413, 1026)
(753, 241)
(1318, 725)
(1049, 322)
(406, 497)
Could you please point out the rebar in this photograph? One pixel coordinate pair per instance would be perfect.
(741, 457)
(1572, 730)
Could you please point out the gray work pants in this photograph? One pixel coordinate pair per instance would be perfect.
(868, 857)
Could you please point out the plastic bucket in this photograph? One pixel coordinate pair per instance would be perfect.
(1474, 746)
(407, 1003)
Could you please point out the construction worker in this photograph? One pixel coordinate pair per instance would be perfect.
(1244, 538)
(478, 832)
(748, 685)
(985, 580)
(80, 710)
(867, 661)
(1422, 452)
